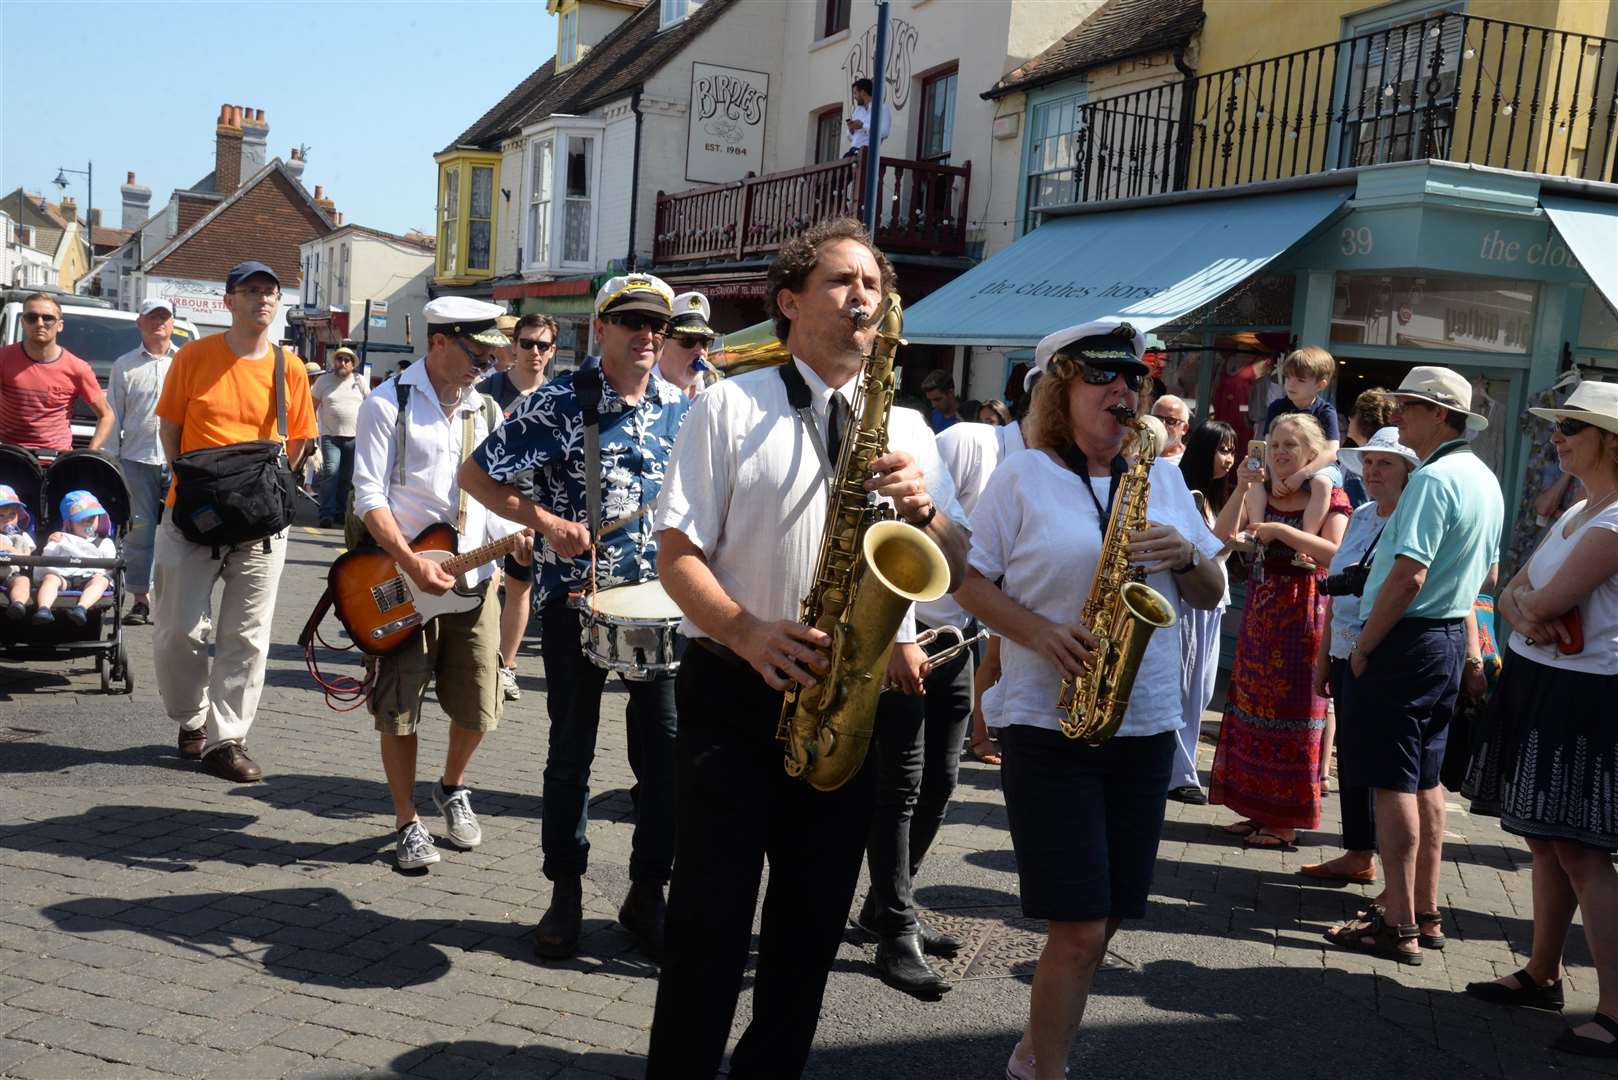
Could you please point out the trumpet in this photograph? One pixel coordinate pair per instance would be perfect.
(948, 653)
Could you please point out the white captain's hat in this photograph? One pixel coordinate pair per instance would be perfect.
(691, 315)
(462, 316)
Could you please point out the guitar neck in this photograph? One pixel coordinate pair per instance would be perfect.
(456, 565)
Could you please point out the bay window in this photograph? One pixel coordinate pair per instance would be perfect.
(562, 178)
(467, 180)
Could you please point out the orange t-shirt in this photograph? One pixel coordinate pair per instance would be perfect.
(219, 398)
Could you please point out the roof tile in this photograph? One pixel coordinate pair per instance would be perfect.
(1115, 31)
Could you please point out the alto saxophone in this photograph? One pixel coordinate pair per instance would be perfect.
(1121, 610)
(870, 569)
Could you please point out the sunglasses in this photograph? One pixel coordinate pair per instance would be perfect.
(1102, 376)
(636, 322)
(1570, 427)
(479, 362)
(1170, 422)
(692, 341)
(32, 317)
(536, 344)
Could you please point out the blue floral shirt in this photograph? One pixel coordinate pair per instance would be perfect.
(546, 434)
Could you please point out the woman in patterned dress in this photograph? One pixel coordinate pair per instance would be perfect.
(1267, 764)
(1553, 747)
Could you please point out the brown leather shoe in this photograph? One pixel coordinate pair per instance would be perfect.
(192, 742)
(230, 762)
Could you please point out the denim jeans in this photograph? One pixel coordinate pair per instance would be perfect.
(147, 486)
(336, 475)
(573, 699)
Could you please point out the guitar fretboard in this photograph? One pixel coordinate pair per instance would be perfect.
(456, 565)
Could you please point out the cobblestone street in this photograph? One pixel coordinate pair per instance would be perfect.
(157, 922)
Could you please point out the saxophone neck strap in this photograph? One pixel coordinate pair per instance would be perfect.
(802, 403)
(1074, 459)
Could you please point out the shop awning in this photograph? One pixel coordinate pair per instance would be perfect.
(1149, 265)
(1591, 231)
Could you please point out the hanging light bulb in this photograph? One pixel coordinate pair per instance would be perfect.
(1470, 53)
(1433, 32)
(1506, 110)
(1292, 134)
(1387, 91)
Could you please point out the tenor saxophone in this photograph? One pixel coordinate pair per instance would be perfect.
(869, 571)
(1121, 611)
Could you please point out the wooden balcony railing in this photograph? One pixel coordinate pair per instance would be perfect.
(1449, 86)
(922, 210)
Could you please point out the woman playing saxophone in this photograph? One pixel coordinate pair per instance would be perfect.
(1085, 819)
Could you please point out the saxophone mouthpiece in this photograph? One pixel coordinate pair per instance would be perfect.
(1122, 413)
(860, 317)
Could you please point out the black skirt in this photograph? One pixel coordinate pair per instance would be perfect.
(1085, 820)
(1547, 761)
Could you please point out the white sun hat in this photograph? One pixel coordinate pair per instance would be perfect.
(1385, 441)
(1593, 402)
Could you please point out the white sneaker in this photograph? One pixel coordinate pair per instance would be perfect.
(415, 848)
(464, 831)
(508, 683)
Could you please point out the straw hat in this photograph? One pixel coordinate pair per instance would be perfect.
(1442, 387)
(1593, 402)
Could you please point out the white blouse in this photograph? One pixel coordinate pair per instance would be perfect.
(1037, 528)
(1598, 611)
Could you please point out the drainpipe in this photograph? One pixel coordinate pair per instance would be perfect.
(1188, 104)
(634, 179)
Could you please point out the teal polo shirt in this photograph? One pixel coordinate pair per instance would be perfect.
(1449, 520)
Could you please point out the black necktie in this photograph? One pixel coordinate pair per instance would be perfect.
(836, 424)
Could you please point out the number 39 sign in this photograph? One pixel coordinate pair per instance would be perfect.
(725, 131)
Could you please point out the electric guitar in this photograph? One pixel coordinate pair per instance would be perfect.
(380, 606)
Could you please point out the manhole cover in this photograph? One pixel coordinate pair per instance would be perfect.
(17, 734)
(997, 943)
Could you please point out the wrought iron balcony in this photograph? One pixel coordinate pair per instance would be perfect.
(922, 210)
(1449, 86)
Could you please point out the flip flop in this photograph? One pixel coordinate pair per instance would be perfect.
(984, 750)
(1245, 827)
(1281, 844)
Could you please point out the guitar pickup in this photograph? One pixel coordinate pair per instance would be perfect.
(386, 629)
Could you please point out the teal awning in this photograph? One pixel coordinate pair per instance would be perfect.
(1591, 231)
(1149, 265)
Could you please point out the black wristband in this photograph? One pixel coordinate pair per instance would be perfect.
(932, 512)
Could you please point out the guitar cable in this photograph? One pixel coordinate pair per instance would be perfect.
(344, 693)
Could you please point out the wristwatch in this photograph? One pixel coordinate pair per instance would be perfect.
(1193, 561)
(932, 512)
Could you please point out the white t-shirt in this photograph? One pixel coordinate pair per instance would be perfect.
(76, 547)
(745, 485)
(1598, 611)
(970, 452)
(1037, 527)
(338, 401)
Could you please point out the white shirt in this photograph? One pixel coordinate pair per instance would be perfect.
(73, 546)
(1010, 436)
(431, 492)
(1364, 526)
(970, 452)
(132, 392)
(1035, 526)
(862, 137)
(745, 485)
(337, 402)
(1598, 612)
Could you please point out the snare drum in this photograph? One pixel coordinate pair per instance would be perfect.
(631, 630)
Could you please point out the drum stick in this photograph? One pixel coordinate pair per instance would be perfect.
(614, 526)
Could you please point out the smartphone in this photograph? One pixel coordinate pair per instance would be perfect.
(1255, 453)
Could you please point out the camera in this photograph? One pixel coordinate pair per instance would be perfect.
(1351, 582)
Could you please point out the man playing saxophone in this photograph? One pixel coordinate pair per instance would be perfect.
(741, 522)
(1085, 819)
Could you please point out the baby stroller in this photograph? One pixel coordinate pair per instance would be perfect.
(42, 491)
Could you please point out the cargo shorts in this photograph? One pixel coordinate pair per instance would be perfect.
(459, 654)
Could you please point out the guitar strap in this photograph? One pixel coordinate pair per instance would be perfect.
(468, 437)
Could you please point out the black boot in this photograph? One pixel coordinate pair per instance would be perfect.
(557, 935)
(937, 943)
(933, 942)
(642, 915)
(902, 966)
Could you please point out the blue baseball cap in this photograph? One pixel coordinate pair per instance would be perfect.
(244, 270)
(8, 497)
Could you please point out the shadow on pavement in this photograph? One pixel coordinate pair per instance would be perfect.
(496, 1061)
(355, 798)
(32, 756)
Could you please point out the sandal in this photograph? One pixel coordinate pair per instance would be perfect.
(1258, 839)
(1361, 922)
(1431, 936)
(986, 751)
(1382, 940)
(1245, 827)
(1569, 1043)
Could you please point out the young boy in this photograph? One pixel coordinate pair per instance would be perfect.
(15, 524)
(86, 534)
(1305, 374)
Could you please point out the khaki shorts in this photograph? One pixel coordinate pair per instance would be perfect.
(461, 654)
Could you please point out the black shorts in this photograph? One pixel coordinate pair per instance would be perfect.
(1085, 820)
(1393, 721)
(516, 571)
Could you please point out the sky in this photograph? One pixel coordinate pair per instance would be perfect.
(372, 88)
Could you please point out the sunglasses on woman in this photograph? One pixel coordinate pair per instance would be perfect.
(1570, 427)
(1102, 376)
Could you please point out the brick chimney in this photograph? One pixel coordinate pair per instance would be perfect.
(325, 203)
(227, 166)
(294, 164)
(137, 202)
(95, 218)
(255, 141)
(70, 208)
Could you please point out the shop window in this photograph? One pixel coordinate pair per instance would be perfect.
(1598, 326)
(539, 204)
(576, 227)
(1053, 141)
(937, 117)
(1434, 311)
(829, 134)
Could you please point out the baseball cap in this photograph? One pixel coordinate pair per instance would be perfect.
(635, 292)
(155, 303)
(244, 270)
(79, 504)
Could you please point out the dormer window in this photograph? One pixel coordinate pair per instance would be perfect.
(675, 10)
(567, 46)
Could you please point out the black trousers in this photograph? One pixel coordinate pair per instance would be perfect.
(918, 748)
(735, 807)
(573, 699)
(1358, 802)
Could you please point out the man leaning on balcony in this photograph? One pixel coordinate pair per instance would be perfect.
(859, 121)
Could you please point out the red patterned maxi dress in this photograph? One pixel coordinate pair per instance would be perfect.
(1267, 764)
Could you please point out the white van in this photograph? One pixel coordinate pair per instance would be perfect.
(93, 330)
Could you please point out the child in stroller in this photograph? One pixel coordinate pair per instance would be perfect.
(16, 538)
(86, 534)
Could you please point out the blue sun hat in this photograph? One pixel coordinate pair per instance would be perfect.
(81, 504)
(8, 497)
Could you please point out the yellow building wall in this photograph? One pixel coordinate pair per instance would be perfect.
(73, 263)
(1275, 137)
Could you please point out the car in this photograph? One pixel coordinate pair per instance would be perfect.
(92, 329)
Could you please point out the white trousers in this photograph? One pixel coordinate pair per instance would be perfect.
(221, 696)
(1199, 671)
